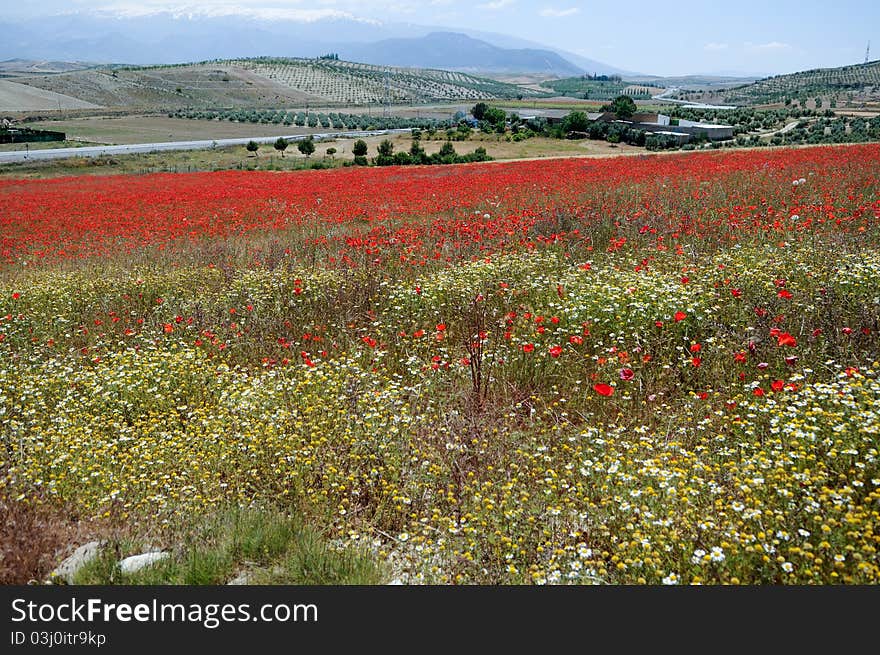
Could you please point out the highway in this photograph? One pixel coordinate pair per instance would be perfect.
(8, 157)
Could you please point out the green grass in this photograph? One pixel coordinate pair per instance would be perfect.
(271, 547)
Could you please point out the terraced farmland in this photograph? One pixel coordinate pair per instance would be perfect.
(861, 80)
(354, 83)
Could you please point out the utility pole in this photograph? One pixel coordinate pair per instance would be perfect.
(868, 52)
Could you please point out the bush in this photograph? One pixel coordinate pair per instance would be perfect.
(359, 149)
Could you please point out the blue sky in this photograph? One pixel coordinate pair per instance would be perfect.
(666, 38)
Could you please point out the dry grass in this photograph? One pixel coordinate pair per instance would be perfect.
(31, 536)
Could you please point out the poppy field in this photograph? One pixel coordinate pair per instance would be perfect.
(640, 370)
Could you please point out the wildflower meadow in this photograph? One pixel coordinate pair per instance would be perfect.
(642, 370)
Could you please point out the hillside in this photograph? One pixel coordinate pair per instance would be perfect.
(266, 82)
(861, 82)
(19, 67)
(586, 87)
(355, 83)
(454, 51)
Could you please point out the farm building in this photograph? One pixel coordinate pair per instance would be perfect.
(659, 123)
(680, 137)
(25, 135)
(552, 116)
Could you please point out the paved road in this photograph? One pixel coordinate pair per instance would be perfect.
(99, 151)
(663, 97)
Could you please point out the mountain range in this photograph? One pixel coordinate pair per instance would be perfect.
(165, 38)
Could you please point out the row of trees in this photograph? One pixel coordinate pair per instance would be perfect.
(418, 156)
(386, 155)
(305, 146)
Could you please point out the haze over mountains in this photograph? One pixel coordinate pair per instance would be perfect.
(165, 38)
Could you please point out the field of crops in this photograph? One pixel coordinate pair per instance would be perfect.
(359, 84)
(649, 370)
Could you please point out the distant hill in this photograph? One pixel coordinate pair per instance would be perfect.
(17, 67)
(860, 80)
(692, 81)
(455, 51)
(166, 38)
(268, 82)
(590, 88)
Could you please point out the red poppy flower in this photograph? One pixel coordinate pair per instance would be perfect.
(555, 351)
(576, 339)
(777, 385)
(679, 316)
(626, 374)
(603, 389)
(528, 347)
(784, 293)
(785, 339)
(758, 391)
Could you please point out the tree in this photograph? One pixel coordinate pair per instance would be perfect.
(386, 148)
(306, 146)
(253, 146)
(623, 106)
(447, 154)
(417, 154)
(495, 116)
(386, 154)
(360, 148)
(479, 110)
(281, 145)
(331, 151)
(576, 121)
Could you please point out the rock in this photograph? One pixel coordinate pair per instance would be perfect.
(243, 578)
(135, 563)
(68, 568)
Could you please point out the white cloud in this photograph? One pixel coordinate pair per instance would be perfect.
(496, 4)
(550, 12)
(715, 46)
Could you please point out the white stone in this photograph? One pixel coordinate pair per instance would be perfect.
(135, 563)
(243, 578)
(68, 568)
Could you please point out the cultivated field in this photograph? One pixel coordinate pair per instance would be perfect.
(353, 83)
(646, 370)
(16, 97)
(858, 84)
(254, 83)
(153, 129)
